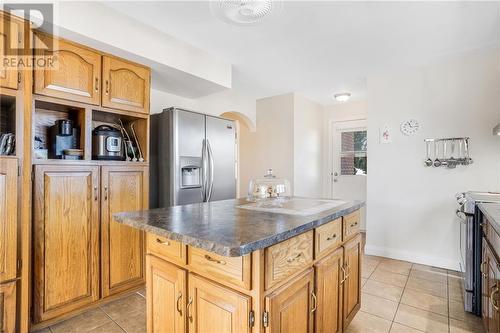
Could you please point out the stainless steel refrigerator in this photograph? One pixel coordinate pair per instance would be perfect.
(193, 158)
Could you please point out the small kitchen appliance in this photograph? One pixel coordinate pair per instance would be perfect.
(107, 144)
(268, 187)
(470, 218)
(62, 136)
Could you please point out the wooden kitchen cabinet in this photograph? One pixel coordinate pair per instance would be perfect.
(8, 218)
(11, 41)
(213, 308)
(72, 71)
(66, 239)
(125, 85)
(492, 319)
(166, 296)
(329, 281)
(485, 293)
(8, 307)
(291, 308)
(124, 188)
(352, 283)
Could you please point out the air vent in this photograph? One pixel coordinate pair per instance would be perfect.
(245, 12)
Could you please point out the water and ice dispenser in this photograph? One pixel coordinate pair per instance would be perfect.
(191, 172)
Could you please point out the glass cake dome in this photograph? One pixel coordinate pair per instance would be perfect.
(269, 187)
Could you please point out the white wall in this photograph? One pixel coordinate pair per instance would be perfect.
(410, 207)
(307, 147)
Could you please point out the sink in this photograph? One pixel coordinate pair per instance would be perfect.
(293, 206)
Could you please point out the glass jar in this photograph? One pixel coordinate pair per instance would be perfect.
(269, 187)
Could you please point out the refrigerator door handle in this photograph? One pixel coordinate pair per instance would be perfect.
(204, 168)
(212, 171)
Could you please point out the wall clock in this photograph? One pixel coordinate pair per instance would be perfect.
(410, 127)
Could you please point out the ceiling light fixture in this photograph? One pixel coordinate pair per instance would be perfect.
(244, 12)
(343, 97)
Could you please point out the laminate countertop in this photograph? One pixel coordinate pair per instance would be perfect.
(492, 213)
(223, 227)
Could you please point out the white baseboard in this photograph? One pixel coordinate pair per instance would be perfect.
(412, 257)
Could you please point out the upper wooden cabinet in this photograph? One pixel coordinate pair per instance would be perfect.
(213, 308)
(11, 38)
(8, 218)
(124, 188)
(352, 279)
(291, 308)
(66, 239)
(75, 73)
(125, 85)
(166, 298)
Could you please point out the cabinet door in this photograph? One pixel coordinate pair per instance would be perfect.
(8, 216)
(11, 40)
(329, 280)
(166, 296)
(8, 307)
(215, 309)
(126, 85)
(493, 291)
(291, 307)
(124, 189)
(485, 293)
(72, 71)
(66, 239)
(352, 283)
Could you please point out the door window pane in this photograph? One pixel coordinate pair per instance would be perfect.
(353, 157)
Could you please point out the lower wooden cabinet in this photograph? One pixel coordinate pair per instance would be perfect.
(73, 205)
(291, 308)
(352, 279)
(8, 307)
(8, 219)
(490, 290)
(166, 296)
(213, 308)
(66, 239)
(123, 188)
(329, 291)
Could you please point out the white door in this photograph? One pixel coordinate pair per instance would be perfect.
(349, 162)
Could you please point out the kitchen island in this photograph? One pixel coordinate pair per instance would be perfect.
(224, 267)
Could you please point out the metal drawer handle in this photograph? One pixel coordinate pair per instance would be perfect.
(315, 302)
(95, 193)
(209, 258)
(332, 237)
(107, 87)
(178, 303)
(348, 271)
(167, 243)
(289, 260)
(354, 224)
(190, 302)
(105, 193)
(96, 84)
(492, 298)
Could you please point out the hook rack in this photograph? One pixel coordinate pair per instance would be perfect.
(448, 156)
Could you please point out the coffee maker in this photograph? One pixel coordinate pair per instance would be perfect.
(62, 136)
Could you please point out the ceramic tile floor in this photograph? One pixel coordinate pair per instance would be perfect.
(397, 297)
(125, 315)
(401, 297)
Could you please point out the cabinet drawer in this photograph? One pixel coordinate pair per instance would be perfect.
(327, 237)
(233, 270)
(288, 257)
(351, 225)
(166, 249)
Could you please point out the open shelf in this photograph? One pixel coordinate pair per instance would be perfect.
(45, 116)
(140, 126)
(7, 125)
